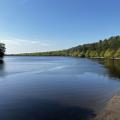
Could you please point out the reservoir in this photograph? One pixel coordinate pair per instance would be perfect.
(56, 88)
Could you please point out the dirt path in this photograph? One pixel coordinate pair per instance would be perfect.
(112, 110)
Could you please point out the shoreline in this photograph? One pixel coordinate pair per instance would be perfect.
(112, 109)
(109, 58)
(63, 56)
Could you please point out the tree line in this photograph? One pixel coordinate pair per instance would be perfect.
(2, 49)
(107, 48)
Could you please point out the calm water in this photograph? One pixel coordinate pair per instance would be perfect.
(55, 88)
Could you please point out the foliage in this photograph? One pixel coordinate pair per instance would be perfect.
(2, 49)
(107, 48)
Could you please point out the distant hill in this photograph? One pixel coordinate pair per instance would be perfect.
(107, 48)
(2, 49)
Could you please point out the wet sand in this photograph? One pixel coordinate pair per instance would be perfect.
(112, 109)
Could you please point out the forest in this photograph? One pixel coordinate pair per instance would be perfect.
(2, 49)
(107, 48)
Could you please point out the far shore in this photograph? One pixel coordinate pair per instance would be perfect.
(105, 58)
(62, 56)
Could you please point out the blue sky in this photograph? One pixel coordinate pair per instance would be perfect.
(43, 25)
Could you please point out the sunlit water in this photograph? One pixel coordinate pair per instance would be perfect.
(55, 88)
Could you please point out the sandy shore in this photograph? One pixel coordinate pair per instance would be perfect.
(112, 110)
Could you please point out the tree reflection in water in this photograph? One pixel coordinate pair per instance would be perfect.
(2, 66)
(113, 67)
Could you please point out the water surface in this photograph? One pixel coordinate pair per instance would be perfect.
(55, 88)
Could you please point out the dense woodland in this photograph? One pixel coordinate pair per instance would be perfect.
(2, 49)
(107, 48)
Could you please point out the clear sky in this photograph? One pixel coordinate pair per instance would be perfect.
(43, 25)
